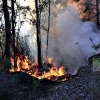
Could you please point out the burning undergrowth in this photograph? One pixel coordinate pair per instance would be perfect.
(71, 41)
(69, 35)
(48, 71)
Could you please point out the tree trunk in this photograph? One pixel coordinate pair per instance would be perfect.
(48, 30)
(38, 35)
(97, 12)
(13, 31)
(7, 29)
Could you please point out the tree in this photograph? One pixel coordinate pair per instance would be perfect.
(13, 30)
(11, 12)
(38, 34)
(97, 12)
(90, 10)
(7, 28)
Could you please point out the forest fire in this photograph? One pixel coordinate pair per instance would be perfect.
(50, 71)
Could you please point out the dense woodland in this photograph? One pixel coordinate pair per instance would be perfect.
(10, 26)
(12, 45)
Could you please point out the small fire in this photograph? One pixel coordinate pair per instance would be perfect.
(49, 60)
(51, 71)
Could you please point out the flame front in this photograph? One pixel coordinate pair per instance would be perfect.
(51, 70)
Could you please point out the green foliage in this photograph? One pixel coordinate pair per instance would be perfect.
(0, 51)
(7, 64)
(36, 83)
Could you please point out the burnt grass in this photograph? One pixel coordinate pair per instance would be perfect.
(85, 85)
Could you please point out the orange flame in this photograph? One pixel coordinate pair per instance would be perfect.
(24, 65)
(49, 60)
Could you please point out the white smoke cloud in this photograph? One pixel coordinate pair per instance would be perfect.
(69, 39)
(73, 37)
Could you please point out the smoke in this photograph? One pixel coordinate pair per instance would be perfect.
(73, 38)
(70, 40)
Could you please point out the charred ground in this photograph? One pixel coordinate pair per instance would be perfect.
(85, 85)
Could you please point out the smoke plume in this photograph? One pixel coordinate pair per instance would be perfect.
(71, 41)
(74, 38)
